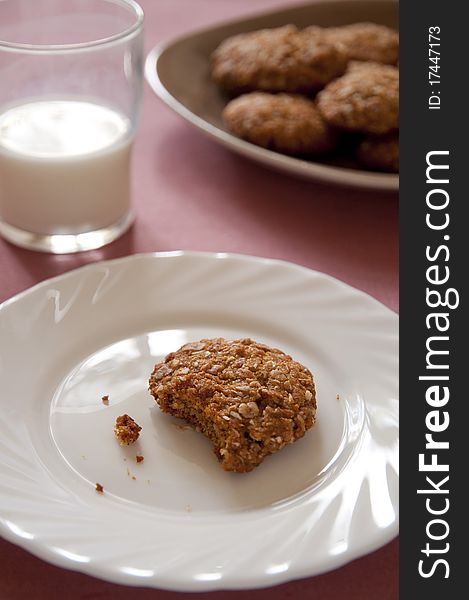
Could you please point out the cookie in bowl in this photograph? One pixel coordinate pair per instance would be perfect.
(282, 59)
(366, 41)
(287, 123)
(379, 152)
(365, 99)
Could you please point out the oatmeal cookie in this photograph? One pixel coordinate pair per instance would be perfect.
(366, 41)
(282, 122)
(380, 152)
(276, 60)
(248, 399)
(365, 99)
(126, 430)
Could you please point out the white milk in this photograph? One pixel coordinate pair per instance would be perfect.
(64, 166)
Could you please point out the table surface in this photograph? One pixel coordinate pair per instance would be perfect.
(192, 194)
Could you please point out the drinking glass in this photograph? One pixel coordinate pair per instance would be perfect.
(70, 95)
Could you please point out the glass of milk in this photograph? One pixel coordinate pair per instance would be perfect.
(70, 95)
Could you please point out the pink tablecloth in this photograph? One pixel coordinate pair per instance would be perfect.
(191, 194)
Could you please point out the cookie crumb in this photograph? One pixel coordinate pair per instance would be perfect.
(99, 488)
(126, 430)
(337, 397)
(139, 458)
(105, 400)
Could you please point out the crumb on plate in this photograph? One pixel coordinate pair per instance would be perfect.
(126, 430)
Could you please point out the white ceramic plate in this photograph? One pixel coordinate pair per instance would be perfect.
(177, 520)
(179, 73)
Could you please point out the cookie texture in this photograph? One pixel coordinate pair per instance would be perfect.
(283, 59)
(248, 399)
(281, 122)
(365, 99)
(366, 41)
(379, 152)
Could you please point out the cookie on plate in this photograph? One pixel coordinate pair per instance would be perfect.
(380, 152)
(366, 41)
(286, 123)
(365, 99)
(248, 399)
(283, 59)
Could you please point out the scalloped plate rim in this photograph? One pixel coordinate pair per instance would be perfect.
(195, 254)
